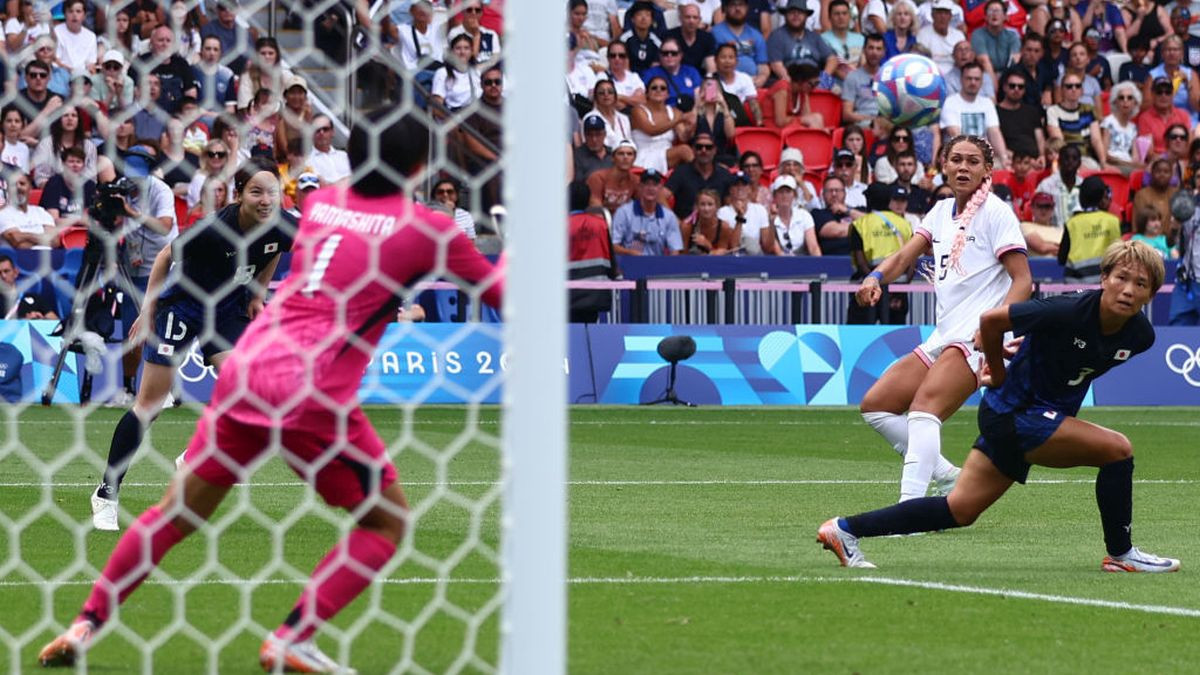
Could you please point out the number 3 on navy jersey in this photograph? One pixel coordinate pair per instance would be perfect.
(321, 264)
(1083, 373)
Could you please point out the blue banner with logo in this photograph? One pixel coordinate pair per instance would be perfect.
(1166, 374)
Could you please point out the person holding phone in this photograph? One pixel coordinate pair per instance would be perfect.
(714, 118)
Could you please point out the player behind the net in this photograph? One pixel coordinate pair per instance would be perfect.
(1028, 414)
(979, 262)
(292, 382)
(205, 286)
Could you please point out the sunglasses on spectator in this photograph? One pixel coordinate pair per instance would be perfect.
(1016, 85)
(657, 87)
(618, 55)
(473, 10)
(1176, 137)
(1125, 97)
(1164, 90)
(112, 65)
(36, 75)
(326, 128)
(1072, 85)
(901, 138)
(669, 52)
(445, 191)
(704, 146)
(496, 82)
(751, 165)
(217, 154)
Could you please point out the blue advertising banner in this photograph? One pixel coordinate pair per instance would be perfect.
(619, 364)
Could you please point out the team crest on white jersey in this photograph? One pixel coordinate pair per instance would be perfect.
(1122, 355)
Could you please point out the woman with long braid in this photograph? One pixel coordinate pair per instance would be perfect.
(979, 262)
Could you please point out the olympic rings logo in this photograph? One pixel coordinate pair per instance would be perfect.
(1188, 366)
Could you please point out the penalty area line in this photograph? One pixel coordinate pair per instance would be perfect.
(1168, 610)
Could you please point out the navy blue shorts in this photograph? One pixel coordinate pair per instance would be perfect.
(177, 325)
(1006, 437)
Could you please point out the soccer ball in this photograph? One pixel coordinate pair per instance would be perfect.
(910, 90)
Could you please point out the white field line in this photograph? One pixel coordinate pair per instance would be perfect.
(693, 581)
(622, 483)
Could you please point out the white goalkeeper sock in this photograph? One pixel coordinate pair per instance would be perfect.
(893, 428)
(924, 449)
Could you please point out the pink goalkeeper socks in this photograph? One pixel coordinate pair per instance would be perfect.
(338, 579)
(136, 555)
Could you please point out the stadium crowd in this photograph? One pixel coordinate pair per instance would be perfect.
(713, 127)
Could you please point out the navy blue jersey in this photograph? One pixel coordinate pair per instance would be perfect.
(1063, 352)
(218, 260)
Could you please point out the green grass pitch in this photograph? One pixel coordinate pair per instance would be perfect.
(691, 551)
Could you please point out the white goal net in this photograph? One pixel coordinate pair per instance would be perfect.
(168, 101)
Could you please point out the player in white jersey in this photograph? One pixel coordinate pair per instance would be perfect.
(979, 262)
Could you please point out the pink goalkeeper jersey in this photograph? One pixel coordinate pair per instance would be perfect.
(306, 354)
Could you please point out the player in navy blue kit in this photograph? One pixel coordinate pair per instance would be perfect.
(1028, 414)
(218, 283)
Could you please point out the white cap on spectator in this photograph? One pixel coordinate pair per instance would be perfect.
(114, 56)
(308, 181)
(784, 181)
(44, 41)
(626, 143)
(294, 81)
(791, 155)
(947, 5)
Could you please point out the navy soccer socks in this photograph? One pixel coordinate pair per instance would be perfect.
(125, 442)
(1114, 496)
(924, 514)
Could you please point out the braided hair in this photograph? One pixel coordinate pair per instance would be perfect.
(963, 220)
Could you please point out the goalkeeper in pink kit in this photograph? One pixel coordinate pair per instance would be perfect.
(356, 251)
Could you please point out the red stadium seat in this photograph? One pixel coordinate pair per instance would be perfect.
(1137, 180)
(816, 144)
(74, 237)
(829, 105)
(763, 141)
(767, 103)
(1117, 183)
(1001, 177)
(35, 196)
(1104, 95)
(181, 213)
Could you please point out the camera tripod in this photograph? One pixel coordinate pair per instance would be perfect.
(100, 278)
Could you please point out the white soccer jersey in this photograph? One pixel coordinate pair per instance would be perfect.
(983, 283)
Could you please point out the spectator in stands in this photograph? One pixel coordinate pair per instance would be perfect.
(939, 37)
(1184, 79)
(1088, 233)
(419, 44)
(16, 151)
(617, 126)
(734, 81)
(295, 117)
(1149, 230)
(744, 214)
(37, 96)
(1023, 182)
(644, 226)
(791, 163)
(1158, 192)
(186, 23)
(1039, 75)
(174, 72)
(1064, 185)
(994, 40)
(235, 39)
(593, 155)
(752, 46)
(631, 90)
(589, 250)
(873, 237)
(1178, 154)
(15, 305)
(23, 29)
(1076, 124)
(701, 173)
(1021, 124)
(855, 141)
(264, 71)
(682, 79)
(641, 43)
(1135, 70)
(792, 231)
(215, 84)
(794, 43)
(65, 132)
(969, 113)
(294, 165)
(1097, 65)
(751, 164)
(485, 42)
(481, 144)
(696, 42)
(917, 198)
(215, 163)
(123, 37)
(964, 54)
(859, 105)
(588, 43)
(791, 102)
(1118, 130)
(456, 84)
(658, 20)
(846, 43)
(614, 186)
(25, 225)
(113, 88)
(660, 131)
(1106, 18)
(704, 232)
(1076, 64)
(68, 193)
(76, 44)
(150, 120)
(1058, 41)
(1180, 25)
(715, 118)
(833, 220)
(309, 181)
(46, 51)
(844, 164)
(446, 193)
(330, 163)
(214, 195)
(1145, 20)
(176, 166)
(900, 37)
(1160, 112)
(1041, 236)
